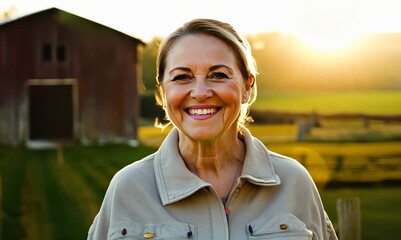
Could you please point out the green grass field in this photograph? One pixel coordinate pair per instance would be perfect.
(368, 102)
(54, 194)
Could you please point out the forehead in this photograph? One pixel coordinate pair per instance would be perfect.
(199, 49)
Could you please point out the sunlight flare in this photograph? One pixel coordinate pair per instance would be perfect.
(329, 42)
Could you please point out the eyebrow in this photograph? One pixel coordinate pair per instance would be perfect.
(185, 69)
(212, 68)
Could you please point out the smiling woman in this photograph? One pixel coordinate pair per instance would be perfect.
(210, 179)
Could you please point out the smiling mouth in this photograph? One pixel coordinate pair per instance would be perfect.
(201, 111)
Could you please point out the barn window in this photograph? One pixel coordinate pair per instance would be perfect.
(61, 54)
(47, 52)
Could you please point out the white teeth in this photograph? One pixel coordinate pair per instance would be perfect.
(203, 111)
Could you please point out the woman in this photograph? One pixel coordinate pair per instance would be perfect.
(210, 179)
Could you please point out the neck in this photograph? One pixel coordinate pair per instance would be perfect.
(218, 162)
(213, 155)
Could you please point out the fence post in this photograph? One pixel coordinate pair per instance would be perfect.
(304, 128)
(349, 218)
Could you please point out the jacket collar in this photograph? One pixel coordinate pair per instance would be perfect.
(176, 182)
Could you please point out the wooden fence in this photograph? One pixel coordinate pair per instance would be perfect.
(281, 117)
(352, 169)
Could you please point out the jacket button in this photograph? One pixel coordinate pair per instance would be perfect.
(148, 235)
(283, 226)
(124, 232)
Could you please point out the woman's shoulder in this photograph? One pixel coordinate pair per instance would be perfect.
(284, 160)
(287, 166)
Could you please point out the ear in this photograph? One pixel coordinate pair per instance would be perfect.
(251, 80)
(248, 85)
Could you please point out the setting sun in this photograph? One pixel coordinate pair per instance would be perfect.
(326, 25)
(332, 42)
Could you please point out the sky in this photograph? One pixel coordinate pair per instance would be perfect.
(320, 23)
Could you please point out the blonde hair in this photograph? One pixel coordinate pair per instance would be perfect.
(226, 33)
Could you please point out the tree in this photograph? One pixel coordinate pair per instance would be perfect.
(149, 55)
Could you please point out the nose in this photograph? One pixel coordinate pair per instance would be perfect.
(201, 90)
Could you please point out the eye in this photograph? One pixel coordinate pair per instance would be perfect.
(182, 77)
(218, 76)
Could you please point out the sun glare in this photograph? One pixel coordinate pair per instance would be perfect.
(332, 42)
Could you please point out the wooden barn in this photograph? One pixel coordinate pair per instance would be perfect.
(66, 78)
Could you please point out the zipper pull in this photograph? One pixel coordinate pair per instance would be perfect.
(227, 213)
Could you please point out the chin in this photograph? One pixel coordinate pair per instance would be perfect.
(201, 134)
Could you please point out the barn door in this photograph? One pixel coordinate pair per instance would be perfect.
(51, 112)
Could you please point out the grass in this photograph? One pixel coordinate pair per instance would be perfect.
(368, 102)
(12, 181)
(49, 194)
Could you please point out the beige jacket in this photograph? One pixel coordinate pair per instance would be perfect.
(159, 198)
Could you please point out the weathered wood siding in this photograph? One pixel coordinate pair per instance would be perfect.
(54, 44)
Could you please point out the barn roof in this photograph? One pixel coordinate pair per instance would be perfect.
(59, 11)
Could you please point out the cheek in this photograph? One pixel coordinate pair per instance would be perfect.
(231, 94)
(173, 98)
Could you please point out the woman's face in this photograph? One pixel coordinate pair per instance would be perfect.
(203, 87)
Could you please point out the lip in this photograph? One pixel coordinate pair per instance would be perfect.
(202, 112)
